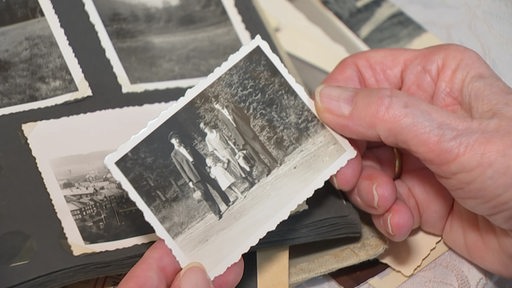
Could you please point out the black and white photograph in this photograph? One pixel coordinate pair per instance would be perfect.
(101, 209)
(160, 44)
(37, 66)
(96, 213)
(230, 160)
(380, 23)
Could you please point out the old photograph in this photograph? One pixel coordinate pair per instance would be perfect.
(230, 160)
(166, 43)
(96, 213)
(101, 209)
(37, 66)
(380, 23)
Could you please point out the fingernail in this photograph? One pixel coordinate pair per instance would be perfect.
(335, 182)
(390, 230)
(375, 196)
(194, 275)
(334, 99)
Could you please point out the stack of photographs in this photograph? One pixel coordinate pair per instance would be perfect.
(80, 64)
(327, 216)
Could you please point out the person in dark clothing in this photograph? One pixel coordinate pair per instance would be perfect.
(239, 125)
(196, 175)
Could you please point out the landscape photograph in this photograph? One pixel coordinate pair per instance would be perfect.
(32, 67)
(101, 209)
(165, 40)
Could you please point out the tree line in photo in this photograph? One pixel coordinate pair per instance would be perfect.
(280, 117)
(15, 11)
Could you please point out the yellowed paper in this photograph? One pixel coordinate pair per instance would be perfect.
(272, 267)
(393, 278)
(406, 256)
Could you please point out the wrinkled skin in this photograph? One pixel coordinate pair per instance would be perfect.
(451, 116)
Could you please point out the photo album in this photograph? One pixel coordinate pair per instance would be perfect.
(133, 120)
(129, 121)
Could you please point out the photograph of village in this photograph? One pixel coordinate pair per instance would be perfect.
(34, 71)
(101, 209)
(164, 40)
(96, 214)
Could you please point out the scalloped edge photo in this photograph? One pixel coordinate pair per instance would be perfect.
(157, 47)
(194, 217)
(38, 27)
(96, 214)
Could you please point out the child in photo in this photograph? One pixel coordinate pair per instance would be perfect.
(225, 180)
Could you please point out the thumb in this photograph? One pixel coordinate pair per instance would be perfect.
(192, 276)
(386, 115)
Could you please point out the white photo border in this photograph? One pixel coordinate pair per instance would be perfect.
(122, 77)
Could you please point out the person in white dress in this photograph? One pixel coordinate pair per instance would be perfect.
(226, 181)
(219, 145)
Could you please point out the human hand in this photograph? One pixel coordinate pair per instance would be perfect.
(159, 268)
(451, 116)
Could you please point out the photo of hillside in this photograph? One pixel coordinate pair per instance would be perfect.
(168, 40)
(32, 67)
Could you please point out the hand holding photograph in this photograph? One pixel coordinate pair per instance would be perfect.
(230, 160)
